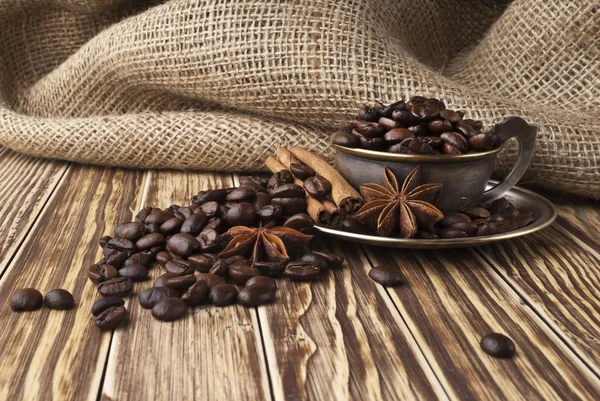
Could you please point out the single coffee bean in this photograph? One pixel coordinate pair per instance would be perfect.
(179, 267)
(353, 225)
(209, 240)
(196, 294)
(59, 299)
(376, 143)
(389, 123)
(333, 261)
(255, 295)
(150, 297)
(240, 273)
(240, 214)
(130, 231)
(202, 262)
(104, 240)
(211, 209)
(183, 244)
(169, 309)
(439, 126)
(185, 212)
(470, 228)
(241, 194)
(369, 129)
(223, 295)
(317, 186)
(210, 279)
(253, 182)
(280, 178)
(465, 129)
(301, 271)
(163, 257)
(220, 268)
(111, 318)
(104, 303)
(118, 245)
(134, 272)
(143, 258)
(487, 229)
(301, 222)
(117, 258)
(27, 299)
(404, 117)
(217, 223)
(270, 213)
(453, 217)
(477, 212)
(347, 140)
(270, 269)
(523, 219)
(149, 241)
(386, 276)
(455, 139)
(213, 195)
(316, 260)
(143, 214)
(116, 287)
(236, 258)
(449, 233)
(451, 116)
(100, 273)
(262, 281)
(434, 141)
(508, 225)
(262, 200)
(151, 228)
(422, 234)
(495, 218)
(388, 111)
(181, 282)
(429, 113)
(301, 170)
(158, 217)
(498, 345)
(194, 224)
(449, 149)
(482, 142)
(369, 113)
(397, 135)
(504, 208)
(288, 191)
(171, 226)
(290, 206)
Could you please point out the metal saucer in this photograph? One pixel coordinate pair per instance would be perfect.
(527, 201)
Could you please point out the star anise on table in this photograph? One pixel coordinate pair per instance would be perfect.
(392, 209)
(262, 244)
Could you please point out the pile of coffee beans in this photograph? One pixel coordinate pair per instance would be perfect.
(421, 126)
(500, 217)
(30, 299)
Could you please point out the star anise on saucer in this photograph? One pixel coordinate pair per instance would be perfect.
(262, 244)
(392, 209)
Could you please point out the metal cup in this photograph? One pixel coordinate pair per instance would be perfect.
(464, 177)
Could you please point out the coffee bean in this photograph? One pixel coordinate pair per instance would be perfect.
(316, 260)
(506, 226)
(181, 282)
(270, 269)
(261, 201)
(158, 217)
(470, 228)
(144, 258)
(213, 195)
(240, 214)
(142, 214)
(116, 287)
(194, 224)
(290, 206)
(150, 297)
(111, 318)
(353, 225)
(209, 240)
(211, 209)
(288, 191)
(196, 294)
(104, 303)
(169, 309)
(301, 170)
(450, 149)
(369, 129)
(465, 129)
(210, 279)
(439, 126)
(487, 229)
(495, 219)
(449, 233)
(118, 245)
(255, 295)
(179, 267)
(280, 178)
(134, 273)
(104, 240)
(389, 123)
(151, 228)
(404, 117)
(388, 111)
(376, 143)
(397, 135)
(149, 241)
(333, 260)
(369, 113)
(270, 213)
(317, 186)
(477, 213)
(130, 231)
(422, 234)
(116, 258)
(27, 299)
(220, 268)
(163, 257)
(504, 208)
(451, 116)
(482, 142)
(453, 217)
(498, 345)
(240, 273)
(262, 281)
(386, 276)
(241, 194)
(255, 183)
(347, 140)
(60, 299)
(171, 226)
(523, 219)
(455, 139)
(223, 295)
(301, 222)
(184, 212)
(236, 258)
(202, 262)
(100, 273)
(302, 271)
(435, 142)
(183, 244)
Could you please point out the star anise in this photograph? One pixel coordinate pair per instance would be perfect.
(400, 209)
(262, 244)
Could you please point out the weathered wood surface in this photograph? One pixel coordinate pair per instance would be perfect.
(581, 220)
(26, 183)
(60, 355)
(451, 301)
(213, 354)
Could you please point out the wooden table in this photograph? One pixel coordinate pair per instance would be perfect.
(343, 337)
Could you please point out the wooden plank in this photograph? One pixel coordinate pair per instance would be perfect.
(451, 301)
(26, 184)
(61, 354)
(341, 338)
(212, 354)
(581, 220)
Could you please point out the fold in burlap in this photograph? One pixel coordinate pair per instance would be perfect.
(221, 84)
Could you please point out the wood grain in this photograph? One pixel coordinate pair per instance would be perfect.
(451, 301)
(581, 220)
(60, 355)
(26, 184)
(213, 354)
(341, 338)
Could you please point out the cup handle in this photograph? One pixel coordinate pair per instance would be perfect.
(514, 127)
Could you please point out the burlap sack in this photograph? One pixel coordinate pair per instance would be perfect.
(221, 84)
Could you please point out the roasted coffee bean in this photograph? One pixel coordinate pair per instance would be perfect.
(211, 209)
(454, 217)
(301, 271)
(417, 145)
(117, 258)
(262, 200)
(495, 218)
(255, 295)
(180, 267)
(202, 262)
(163, 257)
(142, 214)
(301, 222)
(290, 206)
(368, 113)
(236, 258)
(162, 279)
(104, 240)
(213, 195)
(470, 228)
(389, 123)
(118, 244)
(27, 299)
(433, 141)
(429, 113)
(353, 225)
(301, 170)
(216, 223)
(130, 231)
(185, 212)
(111, 318)
(151, 228)
(255, 183)
(387, 111)
(317, 186)
(240, 214)
(171, 226)
(209, 240)
(523, 219)
(223, 295)
(347, 140)
(376, 143)
(369, 129)
(150, 297)
(450, 233)
(155, 250)
(149, 241)
(451, 116)
(506, 226)
(316, 260)
(104, 303)
(270, 213)
(262, 281)
(498, 345)
(456, 139)
(386, 276)
(477, 212)
(487, 229)
(404, 117)
(181, 282)
(465, 129)
(435, 103)
(333, 261)
(415, 110)
(144, 258)
(60, 299)
(449, 149)
(270, 269)
(477, 125)
(280, 178)
(196, 294)
(288, 191)
(239, 273)
(482, 142)
(422, 234)
(439, 126)
(100, 273)
(220, 268)
(183, 245)
(210, 279)
(241, 194)
(116, 287)
(169, 309)
(134, 272)
(502, 207)
(158, 217)
(397, 135)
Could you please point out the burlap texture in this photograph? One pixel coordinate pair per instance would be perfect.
(221, 84)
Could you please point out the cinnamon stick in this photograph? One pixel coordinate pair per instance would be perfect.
(336, 217)
(342, 193)
(315, 209)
